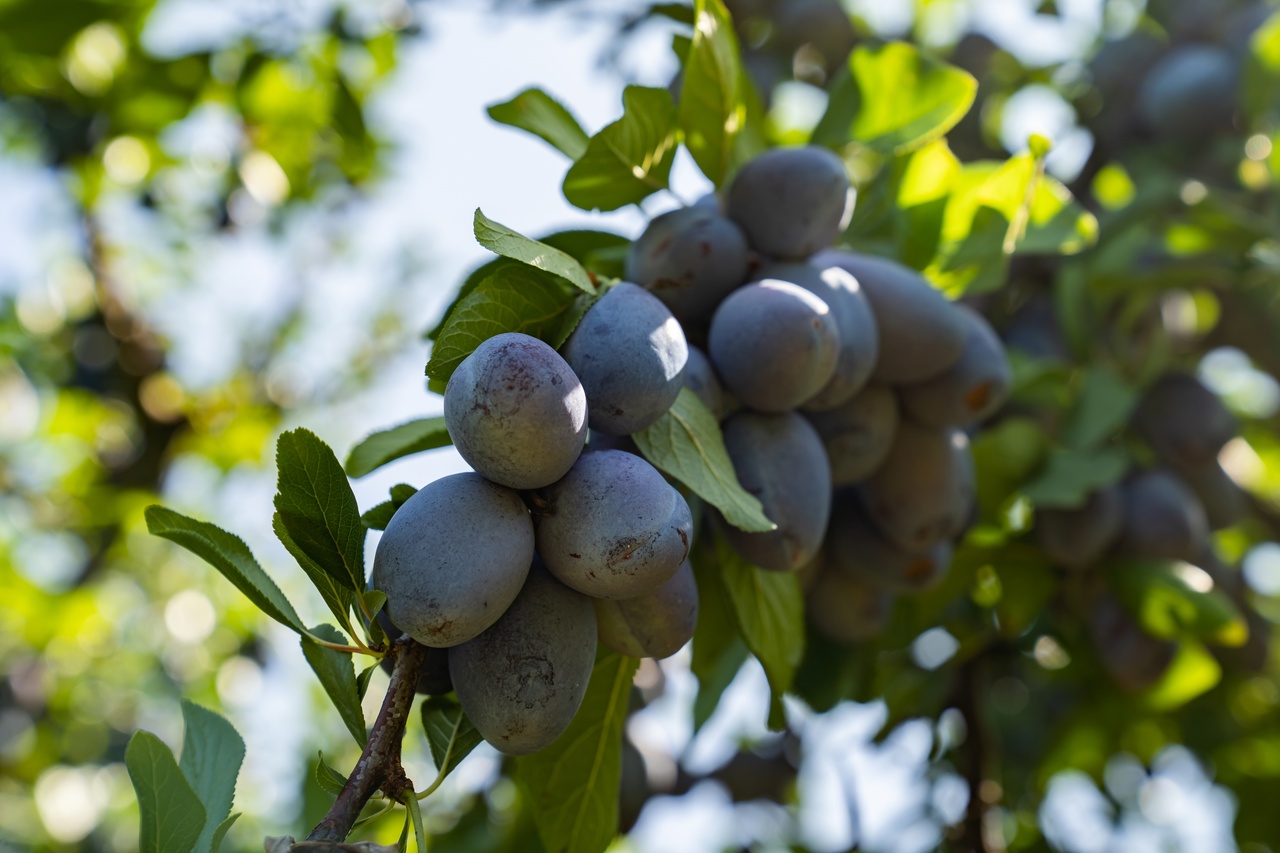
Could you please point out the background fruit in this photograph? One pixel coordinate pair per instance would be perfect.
(791, 202)
(921, 495)
(654, 625)
(921, 333)
(780, 459)
(970, 390)
(859, 433)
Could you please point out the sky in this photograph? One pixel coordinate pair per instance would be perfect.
(337, 266)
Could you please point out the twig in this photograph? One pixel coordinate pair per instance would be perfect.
(379, 764)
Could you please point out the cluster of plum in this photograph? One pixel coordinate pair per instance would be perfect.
(1166, 511)
(838, 378)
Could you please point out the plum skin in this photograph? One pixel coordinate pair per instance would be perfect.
(516, 412)
(453, 558)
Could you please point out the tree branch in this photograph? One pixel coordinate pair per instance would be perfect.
(379, 764)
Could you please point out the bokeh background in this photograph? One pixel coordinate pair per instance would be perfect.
(220, 219)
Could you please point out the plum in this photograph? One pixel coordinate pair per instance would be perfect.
(453, 558)
(613, 527)
(520, 682)
(516, 412)
(630, 354)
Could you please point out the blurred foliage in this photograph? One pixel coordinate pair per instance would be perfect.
(102, 627)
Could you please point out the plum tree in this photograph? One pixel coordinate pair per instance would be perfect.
(779, 458)
(921, 333)
(859, 339)
(774, 344)
(1078, 538)
(922, 494)
(1162, 517)
(859, 433)
(654, 625)
(613, 527)
(629, 353)
(968, 391)
(855, 548)
(453, 558)
(690, 258)
(522, 680)
(516, 412)
(791, 202)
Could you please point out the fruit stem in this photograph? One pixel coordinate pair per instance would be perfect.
(379, 764)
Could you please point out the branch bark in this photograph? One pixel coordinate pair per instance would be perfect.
(379, 764)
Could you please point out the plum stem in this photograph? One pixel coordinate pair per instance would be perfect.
(379, 764)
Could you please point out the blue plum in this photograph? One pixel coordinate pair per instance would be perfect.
(520, 682)
(779, 458)
(630, 354)
(516, 412)
(969, 391)
(690, 258)
(921, 333)
(859, 338)
(774, 345)
(791, 202)
(453, 558)
(859, 433)
(613, 527)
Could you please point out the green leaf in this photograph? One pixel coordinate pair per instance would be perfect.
(380, 516)
(230, 556)
(536, 112)
(1192, 672)
(894, 98)
(337, 675)
(516, 298)
(1101, 410)
(337, 597)
(631, 158)
(1068, 477)
(718, 650)
(450, 735)
(220, 833)
(389, 445)
(318, 508)
(469, 284)
(716, 97)
(212, 751)
(1171, 600)
(996, 208)
(501, 240)
(687, 443)
(769, 609)
(327, 778)
(601, 252)
(171, 813)
(573, 784)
